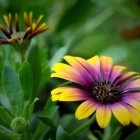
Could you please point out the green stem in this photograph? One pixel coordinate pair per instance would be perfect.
(22, 56)
(82, 126)
(26, 134)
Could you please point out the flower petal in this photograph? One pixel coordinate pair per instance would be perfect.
(95, 63)
(134, 83)
(121, 113)
(106, 66)
(116, 71)
(103, 115)
(131, 95)
(85, 109)
(81, 68)
(67, 72)
(135, 116)
(3, 41)
(125, 76)
(132, 102)
(69, 94)
(88, 67)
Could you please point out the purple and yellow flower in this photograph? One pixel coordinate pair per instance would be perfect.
(18, 38)
(103, 87)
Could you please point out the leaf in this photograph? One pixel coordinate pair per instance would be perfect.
(47, 121)
(59, 54)
(12, 87)
(28, 109)
(26, 78)
(7, 134)
(91, 136)
(70, 123)
(61, 134)
(134, 136)
(33, 58)
(31, 108)
(107, 133)
(5, 101)
(50, 108)
(45, 76)
(5, 116)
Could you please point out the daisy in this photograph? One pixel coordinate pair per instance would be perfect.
(103, 88)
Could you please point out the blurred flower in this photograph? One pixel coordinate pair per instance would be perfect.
(103, 87)
(17, 38)
(131, 34)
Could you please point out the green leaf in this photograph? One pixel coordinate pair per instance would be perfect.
(61, 134)
(134, 136)
(59, 54)
(31, 108)
(12, 88)
(107, 133)
(28, 109)
(91, 136)
(50, 108)
(26, 78)
(7, 134)
(33, 58)
(47, 121)
(45, 76)
(5, 101)
(70, 123)
(5, 116)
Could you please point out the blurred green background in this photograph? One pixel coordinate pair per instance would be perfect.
(86, 27)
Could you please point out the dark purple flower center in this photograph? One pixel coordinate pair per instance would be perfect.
(106, 92)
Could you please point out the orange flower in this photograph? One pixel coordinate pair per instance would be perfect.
(21, 39)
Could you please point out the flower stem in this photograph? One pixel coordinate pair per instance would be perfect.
(82, 126)
(22, 56)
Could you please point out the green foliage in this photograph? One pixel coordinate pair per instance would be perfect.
(5, 116)
(12, 88)
(46, 121)
(26, 78)
(61, 134)
(7, 134)
(33, 58)
(135, 135)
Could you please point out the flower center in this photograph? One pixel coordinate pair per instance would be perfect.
(105, 92)
(19, 36)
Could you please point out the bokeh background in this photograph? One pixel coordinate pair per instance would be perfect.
(81, 28)
(89, 27)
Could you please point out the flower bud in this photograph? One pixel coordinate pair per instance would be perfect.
(19, 124)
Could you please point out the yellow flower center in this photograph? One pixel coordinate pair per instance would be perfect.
(18, 36)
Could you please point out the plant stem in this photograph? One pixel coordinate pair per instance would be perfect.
(82, 126)
(22, 56)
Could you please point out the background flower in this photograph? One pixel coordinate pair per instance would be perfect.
(18, 38)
